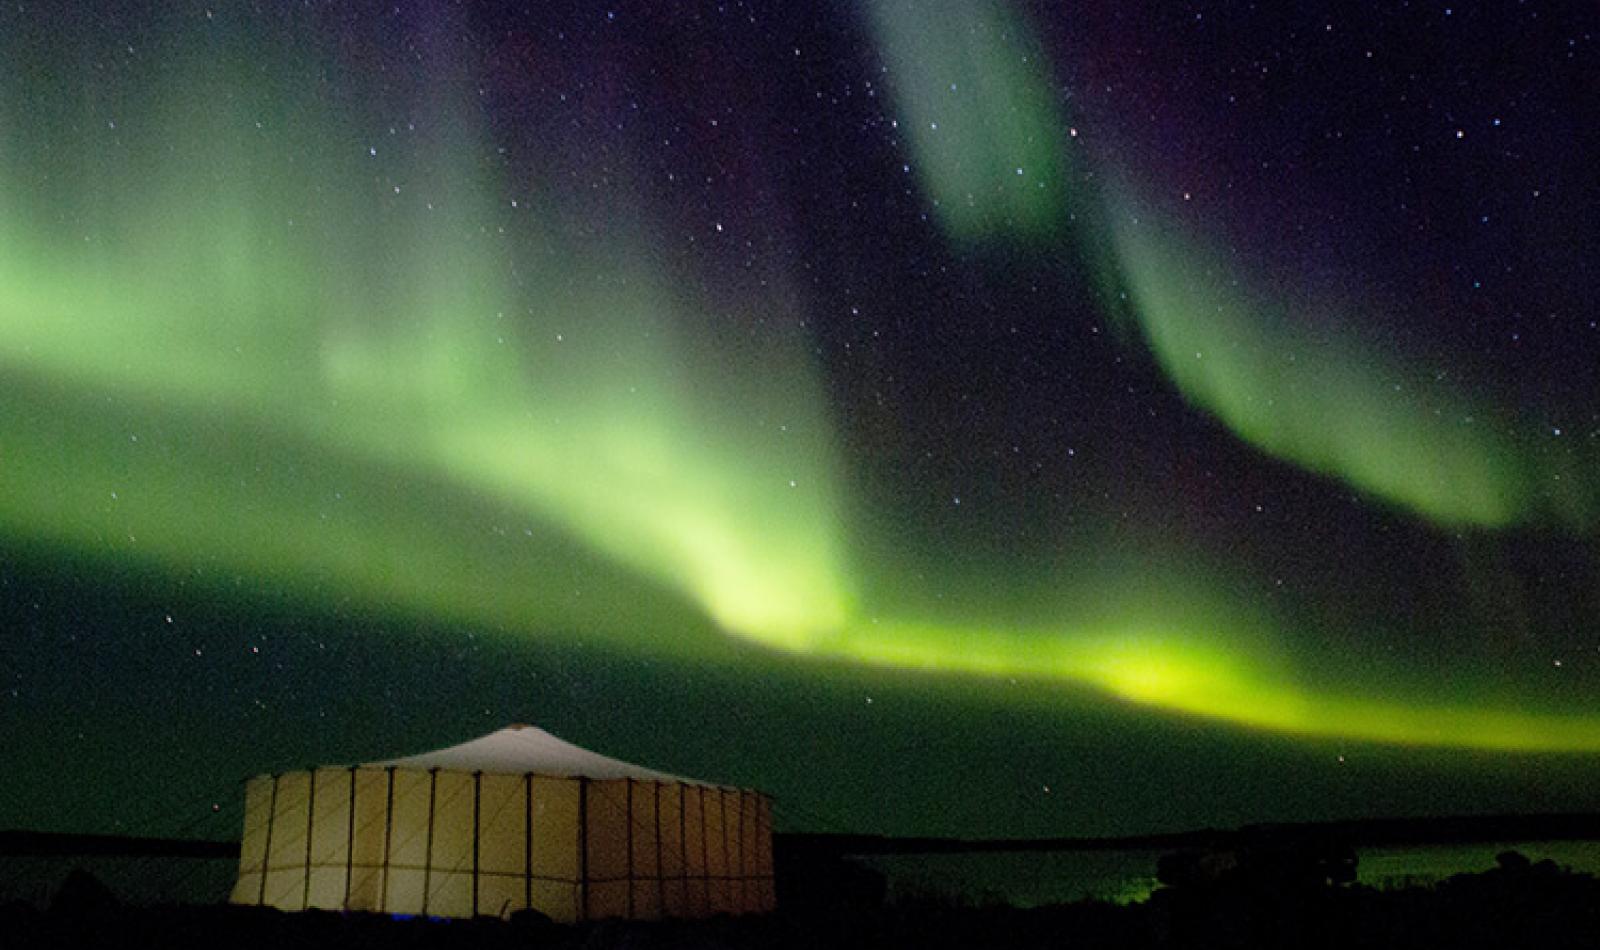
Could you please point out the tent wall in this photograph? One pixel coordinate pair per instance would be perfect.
(459, 844)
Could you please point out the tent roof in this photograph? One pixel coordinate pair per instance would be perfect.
(520, 749)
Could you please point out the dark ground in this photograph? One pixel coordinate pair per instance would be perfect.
(1518, 904)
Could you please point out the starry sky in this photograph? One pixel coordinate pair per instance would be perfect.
(979, 418)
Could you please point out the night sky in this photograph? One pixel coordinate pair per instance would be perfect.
(977, 418)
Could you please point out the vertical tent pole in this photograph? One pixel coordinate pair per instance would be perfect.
(763, 852)
(388, 837)
(527, 843)
(477, 804)
(583, 848)
(705, 851)
(769, 887)
(744, 880)
(628, 824)
(311, 814)
(427, 861)
(350, 842)
(683, 842)
(727, 857)
(266, 854)
(661, 872)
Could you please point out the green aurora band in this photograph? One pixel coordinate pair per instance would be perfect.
(1282, 374)
(971, 89)
(993, 161)
(384, 331)
(268, 359)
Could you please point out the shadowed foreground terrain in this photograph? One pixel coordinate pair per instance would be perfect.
(1516, 904)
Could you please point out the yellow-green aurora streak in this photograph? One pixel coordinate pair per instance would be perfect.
(262, 304)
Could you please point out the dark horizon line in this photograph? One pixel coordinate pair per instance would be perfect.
(1452, 829)
(1456, 829)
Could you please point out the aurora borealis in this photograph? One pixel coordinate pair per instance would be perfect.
(1040, 398)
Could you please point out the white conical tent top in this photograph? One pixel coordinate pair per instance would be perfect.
(520, 749)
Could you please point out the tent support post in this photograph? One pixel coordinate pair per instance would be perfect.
(427, 860)
(628, 824)
(661, 873)
(583, 849)
(727, 849)
(388, 838)
(311, 817)
(266, 852)
(350, 842)
(744, 880)
(683, 844)
(477, 804)
(705, 855)
(769, 886)
(527, 844)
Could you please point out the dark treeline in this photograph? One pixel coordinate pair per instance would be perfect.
(1460, 829)
(1361, 832)
(1517, 904)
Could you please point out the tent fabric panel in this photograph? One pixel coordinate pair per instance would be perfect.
(330, 820)
(253, 841)
(247, 889)
(645, 903)
(755, 866)
(403, 890)
(697, 891)
(367, 838)
(719, 896)
(767, 895)
(502, 816)
(257, 810)
(450, 894)
(286, 888)
(453, 831)
(749, 848)
(673, 899)
(449, 877)
(733, 825)
(555, 830)
(670, 798)
(408, 834)
(287, 849)
(694, 852)
(768, 863)
(557, 900)
(766, 891)
(645, 851)
(609, 831)
(606, 899)
(749, 823)
(736, 819)
(696, 898)
(501, 895)
(733, 833)
(326, 888)
(718, 887)
(764, 836)
(716, 837)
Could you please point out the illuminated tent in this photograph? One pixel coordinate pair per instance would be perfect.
(514, 819)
